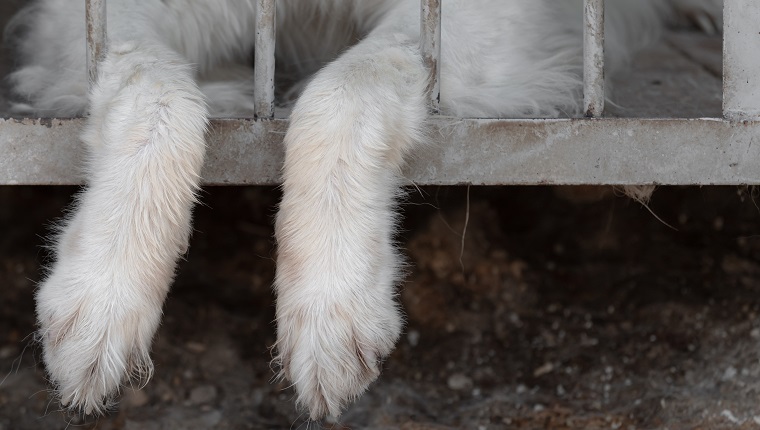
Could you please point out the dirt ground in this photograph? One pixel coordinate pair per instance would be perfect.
(553, 315)
(548, 315)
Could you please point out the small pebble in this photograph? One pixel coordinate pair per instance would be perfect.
(413, 337)
(195, 347)
(202, 394)
(459, 381)
(718, 224)
(135, 398)
(543, 370)
(729, 373)
(211, 419)
(8, 351)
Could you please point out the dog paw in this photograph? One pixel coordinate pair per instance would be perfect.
(96, 319)
(92, 343)
(331, 349)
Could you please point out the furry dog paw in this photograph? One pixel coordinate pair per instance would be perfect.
(331, 350)
(115, 257)
(95, 335)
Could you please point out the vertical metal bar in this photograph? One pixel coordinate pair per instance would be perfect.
(263, 64)
(741, 62)
(430, 46)
(593, 57)
(95, 18)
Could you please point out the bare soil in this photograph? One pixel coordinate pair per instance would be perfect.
(549, 314)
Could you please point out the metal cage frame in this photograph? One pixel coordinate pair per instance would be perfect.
(592, 150)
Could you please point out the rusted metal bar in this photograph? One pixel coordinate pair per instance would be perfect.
(430, 46)
(593, 57)
(263, 67)
(557, 151)
(97, 38)
(741, 62)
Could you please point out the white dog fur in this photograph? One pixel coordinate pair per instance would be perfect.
(173, 63)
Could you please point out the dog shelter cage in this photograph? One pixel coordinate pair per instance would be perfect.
(595, 150)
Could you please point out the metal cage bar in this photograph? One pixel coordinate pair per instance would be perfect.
(95, 18)
(430, 46)
(263, 65)
(593, 57)
(619, 151)
(741, 62)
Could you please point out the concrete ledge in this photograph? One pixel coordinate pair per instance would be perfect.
(463, 151)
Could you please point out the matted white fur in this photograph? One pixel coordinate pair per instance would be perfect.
(173, 63)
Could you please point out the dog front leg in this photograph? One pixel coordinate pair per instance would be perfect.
(337, 267)
(100, 305)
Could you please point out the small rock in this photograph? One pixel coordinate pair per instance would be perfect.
(729, 373)
(211, 419)
(195, 347)
(135, 399)
(730, 416)
(543, 370)
(140, 425)
(413, 337)
(202, 394)
(257, 396)
(459, 381)
(8, 351)
(411, 425)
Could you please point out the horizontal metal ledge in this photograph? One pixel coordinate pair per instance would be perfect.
(461, 151)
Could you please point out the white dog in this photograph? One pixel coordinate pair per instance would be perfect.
(173, 63)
